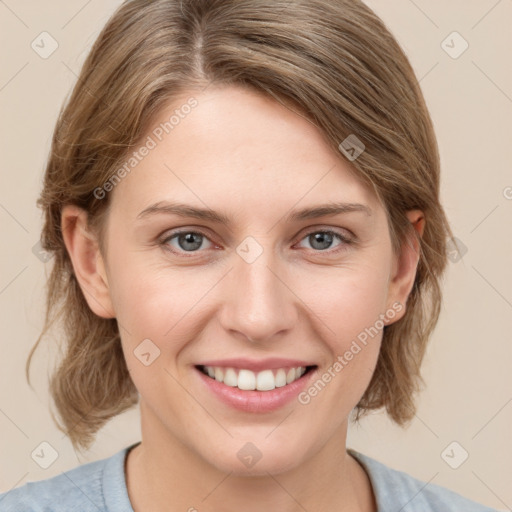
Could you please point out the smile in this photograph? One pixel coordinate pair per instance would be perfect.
(249, 380)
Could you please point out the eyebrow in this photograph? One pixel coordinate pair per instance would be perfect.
(184, 210)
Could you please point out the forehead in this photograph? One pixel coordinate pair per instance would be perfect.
(232, 146)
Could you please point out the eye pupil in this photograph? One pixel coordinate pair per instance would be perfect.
(322, 238)
(189, 239)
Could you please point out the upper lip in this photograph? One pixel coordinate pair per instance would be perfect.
(256, 365)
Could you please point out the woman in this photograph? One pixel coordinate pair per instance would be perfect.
(242, 198)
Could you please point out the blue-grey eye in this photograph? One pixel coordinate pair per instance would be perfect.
(188, 241)
(322, 240)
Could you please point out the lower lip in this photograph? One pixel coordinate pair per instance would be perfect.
(256, 401)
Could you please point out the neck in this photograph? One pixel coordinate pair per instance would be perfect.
(164, 474)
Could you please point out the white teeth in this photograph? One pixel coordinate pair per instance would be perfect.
(230, 378)
(280, 378)
(265, 381)
(247, 380)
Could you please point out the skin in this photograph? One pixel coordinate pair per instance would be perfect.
(254, 160)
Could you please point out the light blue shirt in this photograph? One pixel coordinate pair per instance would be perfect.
(100, 486)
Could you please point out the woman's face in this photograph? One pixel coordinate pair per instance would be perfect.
(263, 292)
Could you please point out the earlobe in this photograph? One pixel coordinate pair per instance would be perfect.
(405, 266)
(87, 261)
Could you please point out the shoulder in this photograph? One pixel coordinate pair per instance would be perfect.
(396, 490)
(81, 488)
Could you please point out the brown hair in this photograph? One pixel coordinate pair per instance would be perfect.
(337, 62)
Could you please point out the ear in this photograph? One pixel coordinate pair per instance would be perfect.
(88, 264)
(405, 265)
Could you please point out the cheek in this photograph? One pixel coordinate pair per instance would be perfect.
(161, 303)
(148, 295)
(347, 300)
(352, 333)
(153, 314)
(350, 304)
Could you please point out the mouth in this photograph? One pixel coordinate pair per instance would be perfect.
(247, 380)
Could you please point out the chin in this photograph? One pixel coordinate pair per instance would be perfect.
(246, 459)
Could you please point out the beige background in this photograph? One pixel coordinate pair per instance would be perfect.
(468, 398)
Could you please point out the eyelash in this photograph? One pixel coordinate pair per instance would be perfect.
(345, 241)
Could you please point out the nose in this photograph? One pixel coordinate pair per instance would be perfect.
(259, 303)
